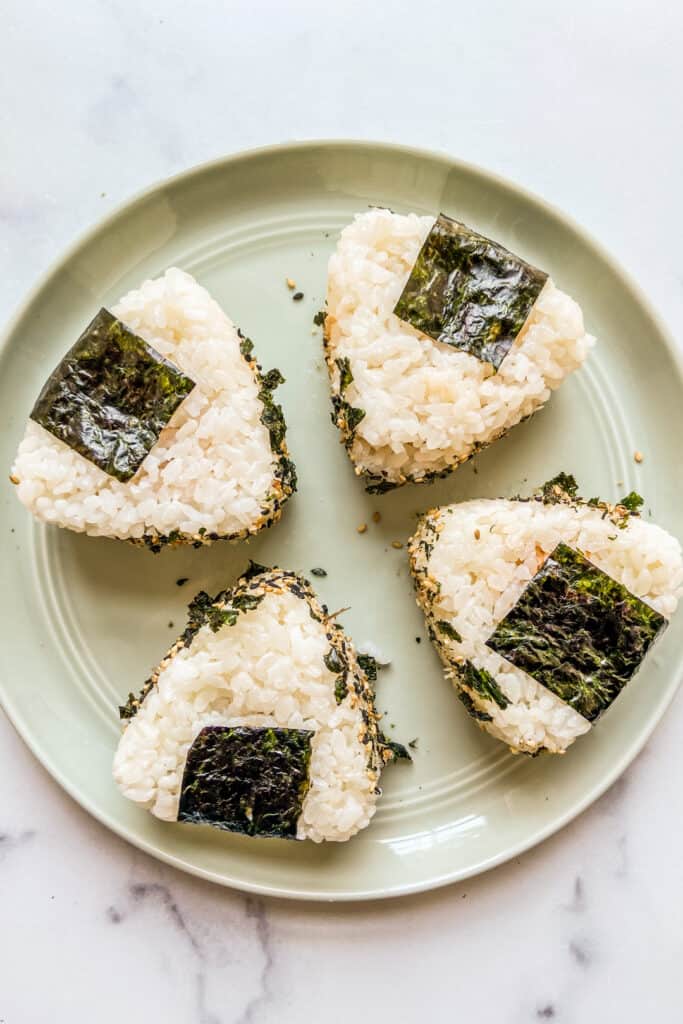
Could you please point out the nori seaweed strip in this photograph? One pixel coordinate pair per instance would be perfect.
(249, 780)
(468, 291)
(111, 396)
(577, 631)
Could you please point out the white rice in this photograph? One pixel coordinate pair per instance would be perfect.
(473, 581)
(212, 470)
(266, 670)
(427, 405)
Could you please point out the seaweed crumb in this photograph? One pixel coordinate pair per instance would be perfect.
(418, 639)
(318, 571)
(297, 296)
(638, 456)
(170, 625)
(362, 528)
(413, 743)
(319, 318)
(181, 581)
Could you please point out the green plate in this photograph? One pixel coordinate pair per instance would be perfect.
(85, 619)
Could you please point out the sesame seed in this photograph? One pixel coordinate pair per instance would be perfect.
(291, 284)
(376, 517)
(396, 544)
(362, 528)
(638, 456)
(477, 534)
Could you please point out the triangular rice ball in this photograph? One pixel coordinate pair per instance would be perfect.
(412, 405)
(543, 609)
(158, 427)
(259, 720)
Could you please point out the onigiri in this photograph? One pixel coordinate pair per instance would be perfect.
(438, 341)
(158, 426)
(542, 610)
(259, 720)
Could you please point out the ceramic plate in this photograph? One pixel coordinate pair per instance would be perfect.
(85, 619)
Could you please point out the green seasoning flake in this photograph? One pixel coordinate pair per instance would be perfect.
(483, 683)
(448, 630)
(345, 375)
(472, 709)
(247, 780)
(562, 487)
(469, 292)
(632, 503)
(111, 396)
(578, 632)
(369, 665)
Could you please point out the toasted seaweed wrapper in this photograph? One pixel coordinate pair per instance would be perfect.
(577, 631)
(601, 610)
(468, 291)
(224, 754)
(284, 482)
(249, 780)
(111, 396)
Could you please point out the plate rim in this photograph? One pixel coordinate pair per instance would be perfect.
(20, 725)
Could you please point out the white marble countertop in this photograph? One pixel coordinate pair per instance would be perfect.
(578, 101)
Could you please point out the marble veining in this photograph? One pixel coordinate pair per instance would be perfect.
(100, 99)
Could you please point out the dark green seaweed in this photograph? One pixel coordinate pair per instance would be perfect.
(333, 661)
(398, 750)
(341, 689)
(111, 396)
(216, 612)
(562, 487)
(249, 780)
(483, 683)
(369, 665)
(578, 632)
(469, 292)
(132, 705)
(450, 631)
(632, 503)
(472, 709)
(345, 375)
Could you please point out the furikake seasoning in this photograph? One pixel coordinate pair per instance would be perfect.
(577, 631)
(111, 396)
(249, 780)
(469, 292)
